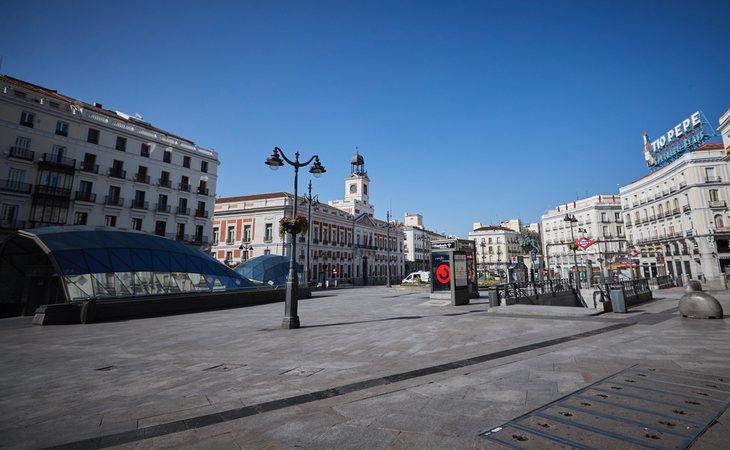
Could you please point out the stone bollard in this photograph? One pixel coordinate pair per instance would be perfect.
(696, 304)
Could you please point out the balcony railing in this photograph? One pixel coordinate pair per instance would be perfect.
(59, 161)
(682, 184)
(164, 182)
(15, 186)
(117, 173)
(182, 211)
(12, 224)
(162, 208)
(202, 190)
(717, 203)
(22, 153)
(84, 196)
(685, 208)
(201, 213)
(91, 168)
(52, 191)
(184, 187)
(140, 204)
(141, 178)
(712, 180)
(113, 201)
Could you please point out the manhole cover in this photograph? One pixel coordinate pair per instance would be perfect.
(637, 407)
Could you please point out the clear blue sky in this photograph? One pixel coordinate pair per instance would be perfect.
(464, 111)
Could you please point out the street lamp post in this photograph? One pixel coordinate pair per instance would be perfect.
(310, 200)
(387, 249)
(484, 259)
(571, 218)
(291, 319)
(245, 251)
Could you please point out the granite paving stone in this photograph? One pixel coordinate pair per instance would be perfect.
(234, 379)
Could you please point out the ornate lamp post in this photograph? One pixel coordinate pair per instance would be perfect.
(483, 245)
(291, 319)
(387, 248)
(310, 201)
(571, 218)
(245, 252)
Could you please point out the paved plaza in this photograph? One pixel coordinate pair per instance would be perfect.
(370, 368)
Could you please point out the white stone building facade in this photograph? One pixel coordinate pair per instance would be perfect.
(417, 247)
(678, 218)
(495, 248)
(63, 161)
(598, 218)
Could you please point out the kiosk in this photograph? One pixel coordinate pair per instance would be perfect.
(453, 265)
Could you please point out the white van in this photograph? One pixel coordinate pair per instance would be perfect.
(417, 277)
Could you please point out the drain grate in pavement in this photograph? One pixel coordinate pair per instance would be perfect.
(640, 407)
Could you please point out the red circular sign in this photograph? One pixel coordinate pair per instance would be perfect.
(443, 273)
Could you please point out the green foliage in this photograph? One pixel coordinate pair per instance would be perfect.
(296, 225)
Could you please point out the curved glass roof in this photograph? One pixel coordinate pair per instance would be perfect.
(109, 262)
(267, 268)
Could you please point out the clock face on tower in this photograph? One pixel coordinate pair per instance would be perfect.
(353, 188)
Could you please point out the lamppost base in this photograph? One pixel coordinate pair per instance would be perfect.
(290, 323)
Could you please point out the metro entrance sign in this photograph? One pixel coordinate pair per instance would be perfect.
(584, 243)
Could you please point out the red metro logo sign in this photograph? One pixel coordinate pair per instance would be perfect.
(584, 243)
(443, 274)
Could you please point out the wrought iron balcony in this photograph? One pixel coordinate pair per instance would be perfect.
(113, 201)
(162, 208)
(182, 211)
(22, 153)
(12, 224)
(202, 190)
(117, 173)
(52, 191)
(140, 204)
(184, 187)
(84, 196)
(717, 203)
(15, 186)
(58, 161)
(90, 168)
(713, 180)
(201, 213)
(141, 178)
(164, 182)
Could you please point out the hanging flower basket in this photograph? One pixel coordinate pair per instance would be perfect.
(293, 225)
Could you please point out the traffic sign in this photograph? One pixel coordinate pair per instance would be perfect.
(584, 242)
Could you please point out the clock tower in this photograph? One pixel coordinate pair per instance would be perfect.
(357, 189)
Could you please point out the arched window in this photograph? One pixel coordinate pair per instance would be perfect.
(719, 223)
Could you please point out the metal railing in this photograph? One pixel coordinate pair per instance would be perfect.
(15, 186)
(22, 153)
(57, 160)
(84, 196)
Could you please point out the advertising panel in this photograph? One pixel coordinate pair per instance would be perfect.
(441, 268)
(460, 273)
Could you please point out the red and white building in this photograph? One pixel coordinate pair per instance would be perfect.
(339, 245)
